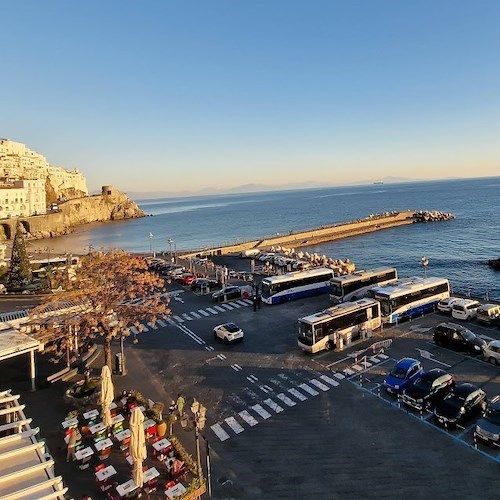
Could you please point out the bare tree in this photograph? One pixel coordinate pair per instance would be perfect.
(105, 295)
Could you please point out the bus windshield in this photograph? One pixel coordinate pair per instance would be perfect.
(266, 289)
(385, 305)
(336, 289)
(306, 333)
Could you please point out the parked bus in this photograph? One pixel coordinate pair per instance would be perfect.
(356, 285)
(408, 298)
(294, 285)
(338, 325)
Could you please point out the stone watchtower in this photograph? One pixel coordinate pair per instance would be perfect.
(109, 191)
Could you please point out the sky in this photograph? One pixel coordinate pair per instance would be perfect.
(170, 96)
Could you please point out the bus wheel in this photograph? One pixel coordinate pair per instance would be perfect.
(329, 345)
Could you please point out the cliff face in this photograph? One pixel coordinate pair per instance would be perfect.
(72, 213)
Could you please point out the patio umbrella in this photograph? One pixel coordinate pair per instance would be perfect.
(137, 446)
(107, 395)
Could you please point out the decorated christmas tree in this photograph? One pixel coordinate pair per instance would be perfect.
(20, 274)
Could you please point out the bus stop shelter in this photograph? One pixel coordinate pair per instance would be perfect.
(14, 343)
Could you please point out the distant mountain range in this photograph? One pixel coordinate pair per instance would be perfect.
(255, 188)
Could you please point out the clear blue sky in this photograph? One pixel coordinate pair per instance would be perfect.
(175, 95)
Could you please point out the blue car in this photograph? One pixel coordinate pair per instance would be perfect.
(402, 376)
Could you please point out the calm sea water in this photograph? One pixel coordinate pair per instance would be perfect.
(457, 249)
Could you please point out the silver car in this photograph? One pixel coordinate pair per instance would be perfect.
(491, 352)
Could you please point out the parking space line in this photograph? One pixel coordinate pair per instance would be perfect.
(144, 328)
(219, 432)
(348, 372)
(235, 305)
(382, 355)
(356, 367)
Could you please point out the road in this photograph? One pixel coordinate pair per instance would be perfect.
(284, 424)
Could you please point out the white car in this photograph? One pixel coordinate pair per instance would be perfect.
(445, 305)
(228, 332)
(491, 352)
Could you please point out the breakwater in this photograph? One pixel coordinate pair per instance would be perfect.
(372, 223)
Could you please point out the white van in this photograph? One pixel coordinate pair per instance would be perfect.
(465, 309)
(488, 312)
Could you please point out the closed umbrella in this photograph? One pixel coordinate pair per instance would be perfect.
(137, 446)
(107, 395)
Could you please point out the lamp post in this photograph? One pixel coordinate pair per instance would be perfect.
(170, 243)
(150, 237)
(199, 413)
(424, 262)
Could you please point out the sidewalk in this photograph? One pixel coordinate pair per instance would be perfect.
(48, 409)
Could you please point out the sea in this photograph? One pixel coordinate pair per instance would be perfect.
(457, 249)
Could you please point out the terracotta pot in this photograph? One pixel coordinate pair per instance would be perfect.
(161, 428)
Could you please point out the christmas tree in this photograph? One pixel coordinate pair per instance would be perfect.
(20, 274)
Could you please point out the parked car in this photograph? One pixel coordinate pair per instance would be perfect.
(228, 332)
(488, 427)
(205, 284)
(458, 337)
(487, 313)
(429, 388)
(232, 292)
(491, 352)
(464, 401)
(465, 309)
(406, 371)
(185, 279)
(445, 305)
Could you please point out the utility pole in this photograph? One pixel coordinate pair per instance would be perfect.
(199, 411)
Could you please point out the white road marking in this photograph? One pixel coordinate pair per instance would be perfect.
(144, 328)
(264, 389)
(329, 380)
(286, 399)
(153, 326)
(356, 367)
(242, 302)
(134, 330)
(219, 432)
(252, 378)
(229, 307)
(297, 394)
(235, 368)
(178, 319)
(340, 376)
(319, 384)
(196, 315)
(161, 323)
(186, 316)
(308, 389)
(202, 311)
(248, 418)
(231, 421)
(220, 309)
(212, 311)
(382, 355)
(348, 372)
(221, 356)
(263, 413)
(235, 305)
(273, 405)
(375, 359)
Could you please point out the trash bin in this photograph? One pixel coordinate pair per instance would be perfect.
(119, 363)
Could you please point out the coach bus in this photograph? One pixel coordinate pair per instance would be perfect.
(409, 298)
(295, 285)
(338, 325)
(356, 285)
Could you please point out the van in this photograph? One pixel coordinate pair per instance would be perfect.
(465, 309)
(250, 252)
(488, 312)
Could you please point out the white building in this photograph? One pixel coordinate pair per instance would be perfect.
(22, 198)
(17, 162)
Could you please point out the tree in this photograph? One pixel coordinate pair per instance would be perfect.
(105, 295)
(20, 274)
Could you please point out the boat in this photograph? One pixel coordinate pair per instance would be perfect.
(378, 182)
(494, 263)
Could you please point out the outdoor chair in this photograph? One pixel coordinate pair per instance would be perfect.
(105, 453)
(151, 434)
(151, 486)
(124, 444)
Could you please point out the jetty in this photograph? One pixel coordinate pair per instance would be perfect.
(323, 234)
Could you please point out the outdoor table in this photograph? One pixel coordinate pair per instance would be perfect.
(105, 443)
(84, 453)
(71, 422)
(126, 488)
(148, 423)
(150, 474)
(103, 474)
(122, 434)
(161, 444)
(129, 459)
(175, 491)
(97, 427)
(91, 414)
(113, 405)
(117, 419)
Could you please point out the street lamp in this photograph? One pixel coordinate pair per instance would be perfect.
(424, 262)
(150, 237)
(170, 242)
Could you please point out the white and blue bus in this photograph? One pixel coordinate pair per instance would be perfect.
(295, 285)
(338, 325)
(351, 287)
(409, 298)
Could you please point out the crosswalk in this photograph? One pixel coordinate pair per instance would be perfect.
(275, 396)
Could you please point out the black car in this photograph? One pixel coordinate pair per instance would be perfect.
(458, 337)
(205, 285)
(464, 401)
(429, 388)
(488, 427)
(230, 292)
